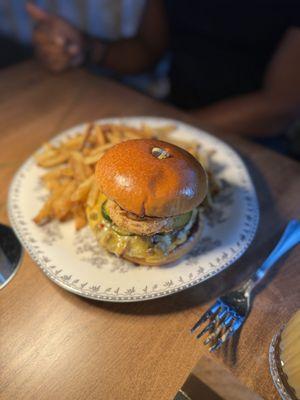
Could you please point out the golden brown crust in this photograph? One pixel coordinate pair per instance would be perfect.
(174, 255)
(142, 226)
(143, 184)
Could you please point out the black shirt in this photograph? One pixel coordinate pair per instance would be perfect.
(220, 49)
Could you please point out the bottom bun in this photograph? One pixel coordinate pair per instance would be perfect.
(175, 254)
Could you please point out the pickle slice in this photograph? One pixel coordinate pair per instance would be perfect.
(181, 220)
(104, 212)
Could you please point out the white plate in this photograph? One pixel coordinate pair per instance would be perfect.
(74, 260)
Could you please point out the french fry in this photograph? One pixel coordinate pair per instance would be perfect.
(101, 139)
(77, 164)
(53, 159)
(74, 143)
(164, 130)
(147, 132)
(87, 136)
(86, 151)
(93, 195)
(106, 129)
(115, 137)
(54, 184)
(45, 155)
(89, 170)
(62, 204)
(45, 213)
(79, 214)
(57, 173)
(100, 149)
(96, 153)
(83, 190)
(131, 135)
(93, 159)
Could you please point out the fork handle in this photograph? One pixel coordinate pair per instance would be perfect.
(290, 237)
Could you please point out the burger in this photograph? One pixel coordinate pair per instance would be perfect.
(148, 210)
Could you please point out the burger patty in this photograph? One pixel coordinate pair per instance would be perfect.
(140, 247)
(147, 226)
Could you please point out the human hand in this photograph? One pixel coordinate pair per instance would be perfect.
(58, 44)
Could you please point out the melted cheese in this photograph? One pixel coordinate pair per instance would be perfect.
(150, 247)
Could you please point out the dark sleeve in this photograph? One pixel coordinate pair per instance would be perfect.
(294, 14)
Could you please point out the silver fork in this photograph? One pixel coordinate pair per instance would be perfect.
(10, 254)
(229, 312)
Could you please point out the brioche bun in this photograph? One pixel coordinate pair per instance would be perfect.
(133, 175)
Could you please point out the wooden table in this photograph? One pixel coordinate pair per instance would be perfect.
(55, 345)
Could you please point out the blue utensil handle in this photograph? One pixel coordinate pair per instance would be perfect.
(289, 239)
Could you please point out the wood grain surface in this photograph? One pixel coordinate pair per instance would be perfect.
(55, 345)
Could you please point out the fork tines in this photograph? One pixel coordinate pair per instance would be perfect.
(223, 322)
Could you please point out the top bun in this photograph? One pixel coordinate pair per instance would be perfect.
(151, 177)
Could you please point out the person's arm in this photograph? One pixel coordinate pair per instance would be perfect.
(60, 45)
(137, 54)
(269, 110)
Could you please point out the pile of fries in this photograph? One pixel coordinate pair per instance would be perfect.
(71, 164)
